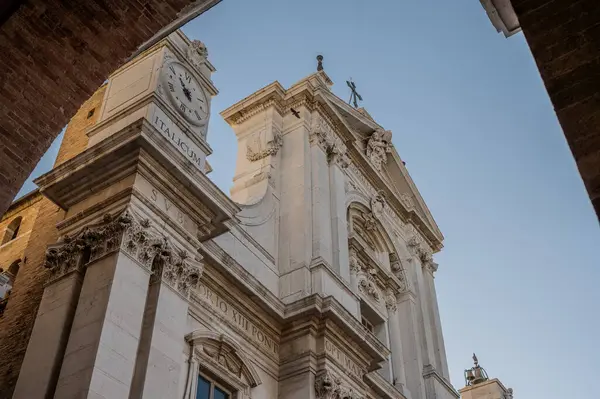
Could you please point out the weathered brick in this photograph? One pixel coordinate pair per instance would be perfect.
(65, 50)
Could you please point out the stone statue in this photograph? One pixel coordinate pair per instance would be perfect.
(378, 146)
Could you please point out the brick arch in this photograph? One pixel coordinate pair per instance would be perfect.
(55, 54)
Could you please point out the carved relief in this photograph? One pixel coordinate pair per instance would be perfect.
(407, 200)
(197, 53)
(354, 263)
(330, 386)
(367, 284)
(254, 152)
(399, 272)
(325, 137)
(391, 303)
(420, 250)
(378, 146)
(378, 204)
(134, 236)
(66, 255)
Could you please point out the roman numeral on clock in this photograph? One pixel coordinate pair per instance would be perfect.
(171, 87)
(171, 68)
(197, 115)
(182, 107)
(188, 78)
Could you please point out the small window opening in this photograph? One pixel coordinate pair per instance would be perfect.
(91, 113)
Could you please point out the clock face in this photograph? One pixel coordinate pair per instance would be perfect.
(186, 93)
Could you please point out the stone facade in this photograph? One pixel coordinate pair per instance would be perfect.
(315, 279)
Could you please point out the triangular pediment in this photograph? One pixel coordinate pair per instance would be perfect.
(393, 173)
(354, 127)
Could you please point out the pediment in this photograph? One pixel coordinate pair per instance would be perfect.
(393, 174)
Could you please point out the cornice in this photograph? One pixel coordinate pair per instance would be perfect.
(270, 95)
(430, 372)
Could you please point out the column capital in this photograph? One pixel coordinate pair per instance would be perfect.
(132, 234)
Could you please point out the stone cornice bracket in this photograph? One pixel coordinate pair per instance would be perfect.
(330, 386)
(379, 145)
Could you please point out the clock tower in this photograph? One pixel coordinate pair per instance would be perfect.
(138, 207)
(170, 86)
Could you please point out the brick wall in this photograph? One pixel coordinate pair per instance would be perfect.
(55, 54)
(564, 37)
(17, 322)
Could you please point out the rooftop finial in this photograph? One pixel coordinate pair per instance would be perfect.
(319, 62)
(475, 360)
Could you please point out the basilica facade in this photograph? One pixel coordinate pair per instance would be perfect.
(136, 277)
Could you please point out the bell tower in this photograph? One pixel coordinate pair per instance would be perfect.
(479, 386)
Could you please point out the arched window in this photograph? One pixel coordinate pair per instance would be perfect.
(7, 280)
(12, 230)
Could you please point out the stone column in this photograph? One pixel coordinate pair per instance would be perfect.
(438, 337)
(104, 341)
(354, 266)
(395, 333)
(46, 348)
(158, 365)
(321, 204)
(411, 345)
(339, 221)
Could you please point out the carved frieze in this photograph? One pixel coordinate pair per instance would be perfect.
(421, 250)
(378, 146)
(254, 152)
(330, 386)
(135, 237)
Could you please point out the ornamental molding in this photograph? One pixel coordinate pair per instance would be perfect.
(367, 284)
(330, 386)
(135, 237)
(254, 153)
(399, 272)
(378, 204)
(197, 53)
(256, 109)
(418, 248)
(391, 302)
(379, 145)
(324, 135)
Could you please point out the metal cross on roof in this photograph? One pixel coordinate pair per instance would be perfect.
(354, 96)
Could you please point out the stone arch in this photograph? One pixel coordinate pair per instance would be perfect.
(226, 352)
(12, 230)
(62, 52)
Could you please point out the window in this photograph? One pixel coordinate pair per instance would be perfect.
(7, 280)
(367, 324)
(209, 389)
(12, 230)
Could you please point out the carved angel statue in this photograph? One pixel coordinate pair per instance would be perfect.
(378, 146)
(378, 204)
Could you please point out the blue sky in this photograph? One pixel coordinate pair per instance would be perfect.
(471, 118)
